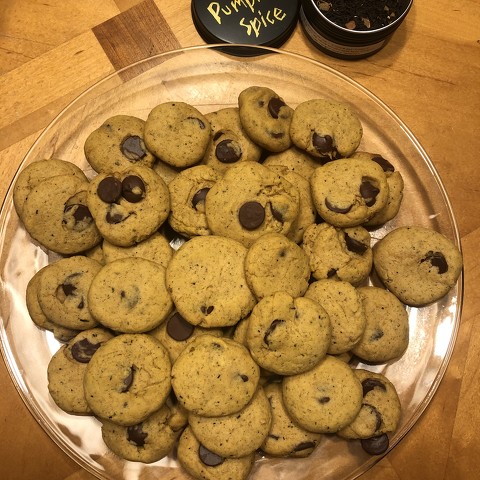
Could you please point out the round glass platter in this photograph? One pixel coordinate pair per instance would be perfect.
(209, 78)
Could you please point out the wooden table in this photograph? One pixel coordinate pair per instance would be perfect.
(428, 74)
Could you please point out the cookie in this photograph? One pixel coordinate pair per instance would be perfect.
(214, 376)
(127, 379)
(286, 438)
(274, 263)
(63, 292)
(155, 248)
(118, 144)
(348, 193)
(306, 209)
(188, 191)
(63, 334)
(238, 434)
(326, 129)
(338, 253)
(207, 299)
(146, 442)
(395, 189)
(176, 333)
(381, 409)
(229, 143)
(295, 160)
(418, 264)
(344, 307)
(129, 295)
(35, 173)
(202, 464)
(265, 117)
(325, 399)
(177, 133)
(66, 370)
(386, 332)
(56, 215)
(249, 201)
(288, 335)
(128, 206)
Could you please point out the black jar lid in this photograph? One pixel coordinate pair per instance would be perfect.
(266, 23)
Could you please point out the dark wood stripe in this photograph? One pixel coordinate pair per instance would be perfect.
(135, 34)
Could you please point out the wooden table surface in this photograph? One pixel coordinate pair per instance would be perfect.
(429, 74)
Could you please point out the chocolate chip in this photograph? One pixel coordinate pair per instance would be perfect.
(378, 415)
(273, 437)
(68, 289)
(370, 383)
(251, 215)
(376, 445)
(114, 218)
(207, 310)
(80, 212)
(178, 328)
(133, 188)
(437, 259)
(217, 135)
(331, 272)
(354, 245)
(336, 209)
(369, 192)
(323, 144)
(136, 435)
(133, 148)
(384, 163)
(274, 106)
(304, 446)
(323, 400)
(83, 350)
(376, 335)
(109, 189)
(228, 151)
(200, 123)
(200, 196)
(244, 377)
(277, 215)
(209, 458)
(128, 380)
(271, 329)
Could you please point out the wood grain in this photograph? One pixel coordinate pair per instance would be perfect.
(428, 74)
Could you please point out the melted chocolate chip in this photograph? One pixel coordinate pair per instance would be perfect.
(437, 259)
(68, 289)
(369, 192)
(200, 196)
(323, 144)
(370, 383)
(323, 400)
(277, 215)
(209, 458)
(376, 335)
(217, 135)
(80, 212)
(133, 189)
(128, 380)
(109, 189)
(200, 123)
(376, 445)
(114, 218)
(304, 446)
(133, 148)
(251, 215)
(336, 209)
(384, 163)
(244, 377)
(207, 310)
(226, 152)
(83, 350)
(354, 245)
(378, 415)
(274, 106)
(273, 437)
(271, 329)
(136, 435)
(178, 328)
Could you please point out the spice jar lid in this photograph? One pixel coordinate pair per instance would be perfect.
(266, 23)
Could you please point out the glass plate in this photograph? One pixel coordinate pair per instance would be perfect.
(210, 78)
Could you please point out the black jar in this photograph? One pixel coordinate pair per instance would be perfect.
(341, 42)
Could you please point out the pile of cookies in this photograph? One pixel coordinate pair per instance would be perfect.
(212, 281)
